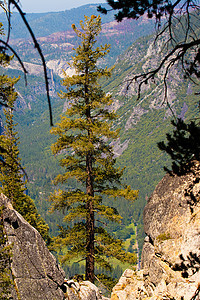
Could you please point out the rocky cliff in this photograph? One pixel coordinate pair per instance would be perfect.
(35, 272)
(171, 252)
(170, 256)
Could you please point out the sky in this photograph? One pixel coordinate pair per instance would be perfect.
(33, 6)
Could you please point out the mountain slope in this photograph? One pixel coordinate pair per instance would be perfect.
(56, 38)
(143, 123)
(45, 24)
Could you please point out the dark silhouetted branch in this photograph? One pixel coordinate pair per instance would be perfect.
(37, 46)
(181, 50)
(7, 46)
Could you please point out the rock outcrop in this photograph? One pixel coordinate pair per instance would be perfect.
(171, 252)
(35, 271)
(170, 257)
(83, 290)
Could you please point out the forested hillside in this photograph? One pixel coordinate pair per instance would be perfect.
(56, 37)
(143, 123)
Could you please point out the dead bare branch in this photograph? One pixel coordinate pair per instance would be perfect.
(36, 45)
(6, 47)
(174, 56)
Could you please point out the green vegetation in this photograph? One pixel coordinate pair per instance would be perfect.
(163, 237)
(87, 156)
(143, 160)
(11, 174)
(120, 36)
(183, 146)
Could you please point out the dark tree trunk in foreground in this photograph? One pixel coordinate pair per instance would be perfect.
(89, 221)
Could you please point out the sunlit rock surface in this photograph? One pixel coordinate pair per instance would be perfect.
(83, 290)
(35, 271)
(171, 252)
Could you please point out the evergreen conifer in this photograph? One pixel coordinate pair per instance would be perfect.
(84, 136)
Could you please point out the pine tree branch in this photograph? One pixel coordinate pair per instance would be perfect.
(104, 223)
(102, 284)
(7, 46)
(80, 260)
(197, 292)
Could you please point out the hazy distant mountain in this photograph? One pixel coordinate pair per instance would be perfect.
(44, 24)
(143, 123)
(57, 39)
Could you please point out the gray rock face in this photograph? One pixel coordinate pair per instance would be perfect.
(84, 290)
(35, 271)
(171, 251)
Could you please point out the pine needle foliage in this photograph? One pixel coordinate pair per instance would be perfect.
(84, 135)
(183, 146)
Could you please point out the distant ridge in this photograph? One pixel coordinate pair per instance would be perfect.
(44, 24)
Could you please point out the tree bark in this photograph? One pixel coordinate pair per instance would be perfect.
(90, 192)
(89, 223)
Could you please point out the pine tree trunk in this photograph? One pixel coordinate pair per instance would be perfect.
(90, 192)
(90, 216)
(89, 222)
(90, 243)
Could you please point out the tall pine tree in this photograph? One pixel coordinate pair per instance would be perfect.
(84, 136)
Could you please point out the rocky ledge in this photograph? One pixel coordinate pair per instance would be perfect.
(36, 274)
(170, 257)
(35, 271)
(171, 251)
